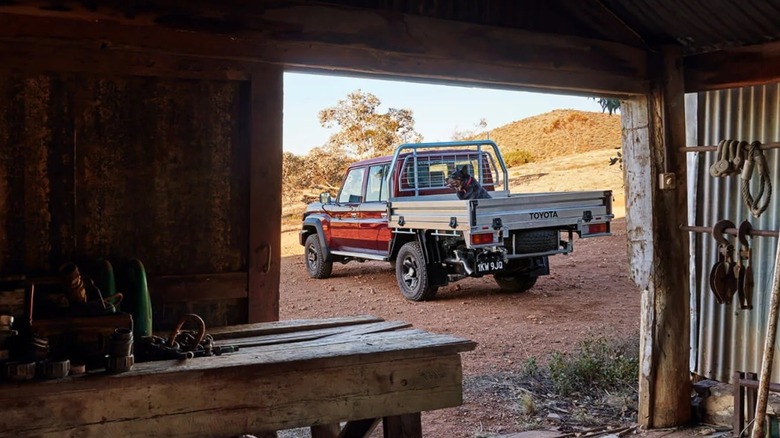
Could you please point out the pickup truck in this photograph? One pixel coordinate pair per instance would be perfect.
(399, 209)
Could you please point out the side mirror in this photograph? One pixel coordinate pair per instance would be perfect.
(325, 198)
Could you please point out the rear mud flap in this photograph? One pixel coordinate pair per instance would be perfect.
(539, 266)
(437, 274)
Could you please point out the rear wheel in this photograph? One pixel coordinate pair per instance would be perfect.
(516, 282)
(412, 275)
(316, 265)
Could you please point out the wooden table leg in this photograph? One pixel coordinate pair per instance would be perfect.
(403, 426)
(326, 431)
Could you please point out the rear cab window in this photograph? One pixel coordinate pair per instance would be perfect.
(433, 169)
(378, 185)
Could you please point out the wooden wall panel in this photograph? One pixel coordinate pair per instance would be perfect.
(36, 174)
(128, 167)
(157, 174)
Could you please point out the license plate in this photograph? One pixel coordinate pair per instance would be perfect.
(490, 265)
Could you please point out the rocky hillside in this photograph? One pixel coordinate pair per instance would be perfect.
(559, 133)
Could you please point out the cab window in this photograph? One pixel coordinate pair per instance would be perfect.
(378, 183)
(352, 189)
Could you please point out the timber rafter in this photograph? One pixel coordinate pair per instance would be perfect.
(322, 37)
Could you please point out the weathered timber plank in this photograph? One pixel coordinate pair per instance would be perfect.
(200, 287)
(265, 188)
(303, 340)
(403, 426)
(154, 163)
(654, 132)
(28, 128)
(732, 68)
(359, 428)
(378, 327)
(230, 401)
(72, 57)
(311, 355)
(310, 335)
(639, 177)
(355, 40)
(276, 327)
(672, 406)
(283, 338)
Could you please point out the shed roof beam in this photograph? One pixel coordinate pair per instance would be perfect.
(733, 68)
(349, 40)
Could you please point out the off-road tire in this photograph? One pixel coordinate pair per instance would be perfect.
(515, 283)
(535, 241)
(412, 275)
(316, 265)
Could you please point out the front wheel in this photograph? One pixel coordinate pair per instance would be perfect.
(412, 275)
(316, 265)
(515, 283)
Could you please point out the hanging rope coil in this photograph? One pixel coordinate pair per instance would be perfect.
(756, 159)
(745, 158)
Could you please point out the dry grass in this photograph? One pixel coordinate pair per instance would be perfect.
(592, 386)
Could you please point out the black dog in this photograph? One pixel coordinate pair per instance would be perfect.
(466, 187)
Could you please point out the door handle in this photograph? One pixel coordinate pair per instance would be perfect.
(354, 215)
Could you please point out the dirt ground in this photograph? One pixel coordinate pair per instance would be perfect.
(587, 294)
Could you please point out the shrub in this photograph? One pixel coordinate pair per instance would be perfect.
(596, 365)
(518, 158)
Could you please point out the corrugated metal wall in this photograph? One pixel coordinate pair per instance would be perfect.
(729, 339)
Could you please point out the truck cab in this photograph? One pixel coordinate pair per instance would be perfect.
(356, 219)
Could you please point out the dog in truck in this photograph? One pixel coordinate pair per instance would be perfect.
(466, 187)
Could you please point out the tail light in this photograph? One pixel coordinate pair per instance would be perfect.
(595, 228)
(481, 238)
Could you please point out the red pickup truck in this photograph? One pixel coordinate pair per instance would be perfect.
(399, 209)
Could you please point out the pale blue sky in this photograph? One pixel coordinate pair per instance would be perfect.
(439, 110)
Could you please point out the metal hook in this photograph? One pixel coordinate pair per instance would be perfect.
(742, 232)
(719, 231)
(744, 270)
(723, 281)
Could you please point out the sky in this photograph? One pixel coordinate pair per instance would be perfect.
(438, 110)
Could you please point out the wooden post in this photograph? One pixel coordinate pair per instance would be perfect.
(265, 193)
(403, 426)
(656, 200)
(326, 431)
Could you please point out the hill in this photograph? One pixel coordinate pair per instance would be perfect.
(559, 133)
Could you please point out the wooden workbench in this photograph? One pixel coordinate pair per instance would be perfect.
(307, 373)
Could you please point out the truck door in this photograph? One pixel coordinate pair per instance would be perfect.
(344, 214)
(373, 230)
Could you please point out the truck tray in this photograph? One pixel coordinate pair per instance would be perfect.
(516, 212)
